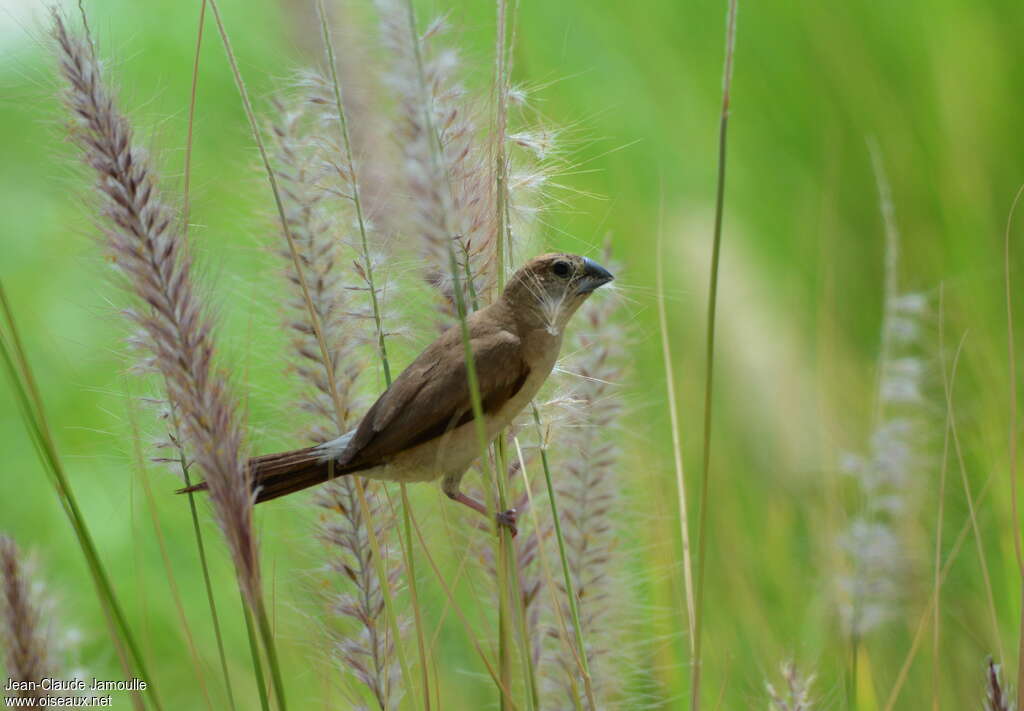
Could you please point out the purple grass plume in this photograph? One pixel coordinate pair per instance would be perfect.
(316, 190)
(27, 639)
(445, 163)
(148, 249)
(586, 459)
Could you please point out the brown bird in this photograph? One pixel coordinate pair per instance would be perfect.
(421, 428)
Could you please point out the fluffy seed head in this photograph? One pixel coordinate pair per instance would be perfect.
(149, 252)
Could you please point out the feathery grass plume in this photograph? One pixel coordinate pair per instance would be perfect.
(586, 459)
(445, 165)
(888, 476)
(795, 695)
(997, 696)
(146, 247)
(359, 76)
(317, 212)
(317, 217)
(368, 652)
(536, 155)
(26, 624)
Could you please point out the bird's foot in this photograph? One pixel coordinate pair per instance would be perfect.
(509, 519)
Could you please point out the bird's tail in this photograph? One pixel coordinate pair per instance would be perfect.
(275, 475)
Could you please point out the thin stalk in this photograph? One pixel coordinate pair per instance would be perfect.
(27, 394)
(1012, 364)
(501, 128)
(257, 663)
(677, 450)
(356, 199)
(382, 350)
(730, 45)
(936, 590)
(922, 623)
(263, 622)
(851, 691)
(481, 433)
(172, 584)
(973, 513)
(458, 611)
(566, 575)
(186, 220)
(186, 205)
(201, 548)
(389, 603)
(503, 250)
(562, 628)
(515, 599)
(506, 559)
(268, 639)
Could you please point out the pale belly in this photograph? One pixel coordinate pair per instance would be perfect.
(451, 454)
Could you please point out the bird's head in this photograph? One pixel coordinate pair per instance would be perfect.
(546, 291)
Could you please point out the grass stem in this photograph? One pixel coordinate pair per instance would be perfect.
(207, 584)
(270, 646)
(1012, 364)
(730, 45)
(254, 651)
(186, 220)
(570, 591)
(677, 450)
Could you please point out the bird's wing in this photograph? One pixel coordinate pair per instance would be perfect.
(432, 395)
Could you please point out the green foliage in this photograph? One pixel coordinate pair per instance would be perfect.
(936, 84)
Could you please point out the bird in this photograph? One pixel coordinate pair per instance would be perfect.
(422, 427)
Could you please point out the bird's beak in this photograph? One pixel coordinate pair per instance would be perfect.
(594, 275)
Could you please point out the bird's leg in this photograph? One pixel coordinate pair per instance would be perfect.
(507, 519)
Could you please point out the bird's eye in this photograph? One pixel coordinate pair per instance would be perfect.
(561, 269)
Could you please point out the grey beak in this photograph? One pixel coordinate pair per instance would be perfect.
(594, 276)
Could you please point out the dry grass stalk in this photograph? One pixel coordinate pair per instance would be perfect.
(147, 248)
(526, 545)
(26, 623)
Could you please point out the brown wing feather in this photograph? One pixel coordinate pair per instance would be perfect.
(432, 395)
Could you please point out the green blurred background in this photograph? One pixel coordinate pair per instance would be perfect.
(938, 85)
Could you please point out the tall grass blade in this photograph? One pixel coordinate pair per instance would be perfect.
(143, 474)
(1012, 365)
(23, 382)
(730, 46)
(677, 450)
(254, 651)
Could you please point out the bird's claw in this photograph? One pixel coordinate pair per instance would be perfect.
(508, 519)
